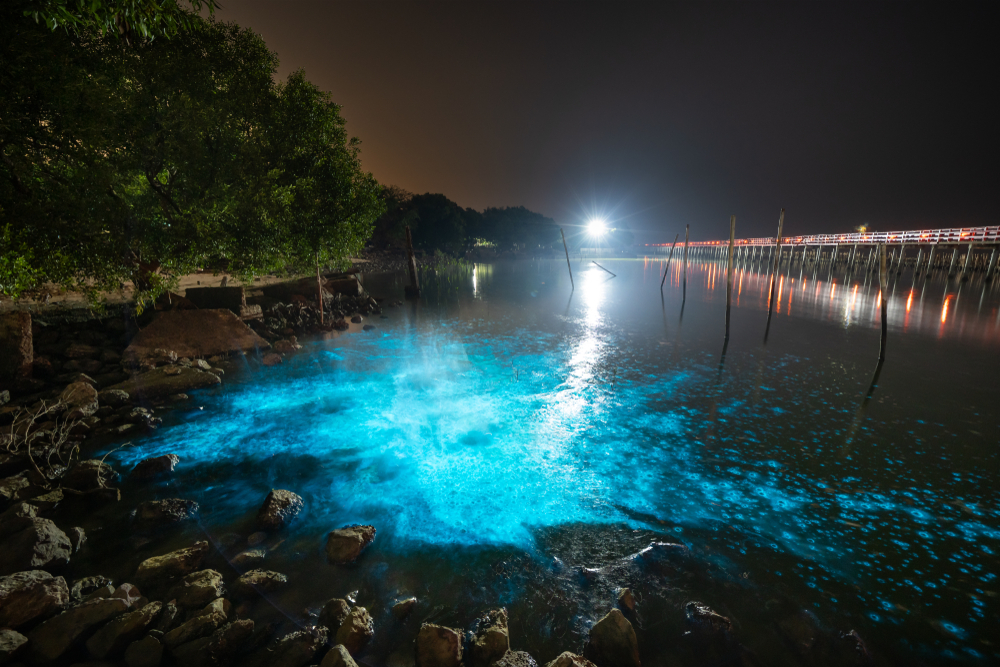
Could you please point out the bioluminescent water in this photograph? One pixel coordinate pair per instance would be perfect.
(508, 430)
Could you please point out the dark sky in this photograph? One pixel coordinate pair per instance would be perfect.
(663, 114)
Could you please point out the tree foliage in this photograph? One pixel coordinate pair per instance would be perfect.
(128, 18)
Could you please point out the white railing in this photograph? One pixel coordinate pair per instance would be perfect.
(927, 236)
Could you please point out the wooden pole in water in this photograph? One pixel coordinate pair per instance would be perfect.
(319, 290)
(687, 230)
(968, 259)
(883, 283)
(566, 248)
(729, 271)
(774, 266)
(413, 289)
(993, 263)
(667, 267)
(954, 258)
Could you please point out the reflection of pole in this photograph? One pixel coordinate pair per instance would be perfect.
(566, 248)
(883, 283)
(413, 289)
(729, 272)
(774, 267)
(667, 268)
(687, 229)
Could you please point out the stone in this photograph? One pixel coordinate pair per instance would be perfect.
(349, 286)
(89, 475)
(491, 641)
(402, 609)
(197, 589)
(157, 383)
(218, 605)
(82, 588)
(287, 345)
(257, 538)
(153, 513)
(341, 325)
(101, 593)
(27, 597)
(249, 559)
(338, 656)
(293, 650)
(195, 333)
(127, 592)
(52, 639)
(115, 637)
(80, 399)
(279, 508)
(258, 581)
(21, 486)
(146, 652)
(705, 620)
(81, 351)
(626, 601)
(17, 350)
(438, 646)
(77, 536)
(114, 398)
(194, 628)
(167, 617)
(613, 642)
(40, 544)
(333, 614)
(344, 545)
(368, 327)
(174, 564)
(4, 397)
(218, 648)
(154, 466)
(356, 630)
(568, 659)
(357, 319)
(11, 643)
(516, 659)
(271, 359)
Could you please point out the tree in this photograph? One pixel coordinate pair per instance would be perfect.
(389, 228)
(437, 223)
(517, 226)
(131, 19)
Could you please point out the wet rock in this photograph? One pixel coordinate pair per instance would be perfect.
(706, 621)
(256, 538)
(146, 652)
(799, 631)
(22, 486)
(197, 589)
(27, 597)
(567, 659)
(194, 333)
(279, 508)
(491, 641)
(438, 646)
(114, 398)
(77, 537)
(142, 417)
(127, 592)
(626, 601)
(292, 650)
(271, 359)
(341, 325)
(40, 544)
(154, 466)
(346, 544)
(168, 617)
(101, 593)
(217, 606)
(11, 643)
(82, 588)
(153, 513)
(613, 642)
(89, 475)
(356, 630)
(285, 346)
(114, 638)
(338, 656)
(218, 648)
(258, 581)
(80, 399)
(53, 638)
(159, 383)
(192, 629)
(368, 327)
(357, 319)
(516, 659)
(402, 609)
(333, 615)
(174, 564)
(249, 559)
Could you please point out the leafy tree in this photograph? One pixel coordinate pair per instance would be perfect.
(437, 223)
(131, 19)
(389, 228)
(517, 226)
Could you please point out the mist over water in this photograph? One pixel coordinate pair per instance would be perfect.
(508, 430)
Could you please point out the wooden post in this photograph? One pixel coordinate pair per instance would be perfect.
(883, 283)
(920, 258)
(667, 267)
(902, 258)
(602, 268)
(566, 248)
(687, 230)
(954, 258)
(413, 289)
(850, 260)
(992, 265)
(774, 266)
(729, 271)
(930, 257)
(319, 290)
(968, 259)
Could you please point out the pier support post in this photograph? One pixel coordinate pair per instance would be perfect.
(920, 258)
(566, 248)
(930, 257)
(687, 233)
(902, 258)
(729, 271)
(774, 270)
(954, 258)
(854, 251)
(883, 294)
(666, 269)
(968, 261)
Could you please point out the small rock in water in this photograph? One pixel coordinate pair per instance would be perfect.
(162, 512)
(492, 640)
(368, 327)
(249, 559)
(271, 359)
(154, 466)
(626, 601)
(613, 642)
(357, 319)
(438, 646)
(258, 581)
(178, 397)
(333, 615)
(256, 538)
(344, 545)
(706, 620)
(338, 656)
(279, 508)
(356, 630)
(402, 609)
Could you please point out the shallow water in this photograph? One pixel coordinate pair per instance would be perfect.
(508, 430)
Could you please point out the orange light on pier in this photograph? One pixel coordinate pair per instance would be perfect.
(833, 288)
(944, 310)
(909, 301)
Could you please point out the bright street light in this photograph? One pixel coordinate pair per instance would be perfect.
(597, 227)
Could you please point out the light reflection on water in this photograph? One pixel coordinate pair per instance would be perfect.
(507, 406)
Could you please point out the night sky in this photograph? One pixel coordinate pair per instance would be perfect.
(661, 115)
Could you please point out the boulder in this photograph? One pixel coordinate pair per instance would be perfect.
(567, 659)
(162, 382)
(271, 359)
(77, 537)
(249, 559)
(80, 399)
(174, 564)
(438, 646)
(613, 642)
(278, 509)
(338, 656)
(258, 581)
(146, 652)
(153, 513)
(168, 617)
(293, 650)
(192, 629)
(39, 544)
(89, 475)
(706, 621)
(11, 643)
(344, 545)
(333, 615)
(27, 597)
(115, 398)
(154, 466)
(218, 648)
(17, 350)
(22, 486)
(194, 333)
(402, 609)
(82, 588)
(49, 641)
(491, 641)
(516, 659)
(112, 640)
(197, 589)
(626, 601)
(356, 630)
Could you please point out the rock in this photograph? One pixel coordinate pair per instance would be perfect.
(278, 509)
(348, 286)
(154, 466)
(114, 398)
(287, 346)
(217, 606)
(333, 615)
(27, 597)
(80, 399)
(256, 538)
(40, 544)
(50, 640)
(491, 641)
(77, 537)
(17, 350)
(11, 643)
(626, 601)
(292, 650)
(402, 609)
(613, 642)
(705, 620)
(4, 397)
(201, 363)
(174, 564)
(249, 559)
(101, 593)
(368, 327)
(82, 588)
(195, 333)
(197, 589)
(154, 513)
(167, 617)
(271, 359)
(176, 398)
(89, 475)
(567, 659)
(216, 649)
(516, 659)
(110, 356)
(438, 646)
(142, 417)
(21, 486)
(81, 351)
(157, 383)
(114, 638)
(194, 628)
(357, 319)
(338, 656)
(258, 581)
(146, 652)
(346, 544)
(356, 630)
(127, 592)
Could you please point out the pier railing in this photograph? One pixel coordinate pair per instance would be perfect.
(985, 235)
